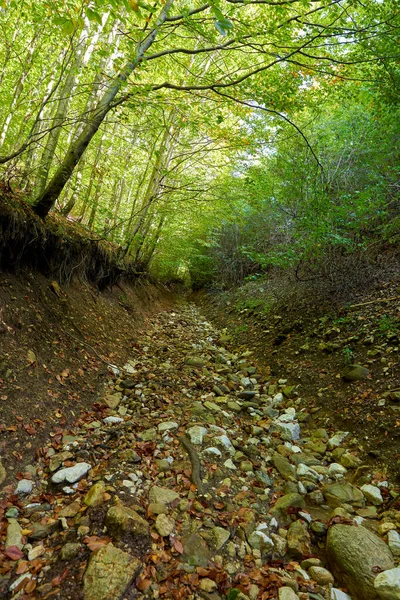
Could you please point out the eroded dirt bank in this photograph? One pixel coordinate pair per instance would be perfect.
(55, 343)
(197, 474)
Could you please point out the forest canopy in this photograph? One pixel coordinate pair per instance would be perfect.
(219, 137)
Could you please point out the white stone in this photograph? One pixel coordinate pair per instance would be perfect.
(24, 487)
(226, 443)
(337, 439)
(288, 431)
(336, 471)
(112, 420)
(306, 471)
(278, 398)
(260, 541)
(372, 493)
(394, 542)
(387, 584)
(229, 465)
(167, 426)
(197, 434)
(213, 450)
(71, 474)
(337, 594)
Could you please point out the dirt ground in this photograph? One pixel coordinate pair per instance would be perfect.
(55, 344)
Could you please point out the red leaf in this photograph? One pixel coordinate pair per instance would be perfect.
(13, 552)
(178, 546)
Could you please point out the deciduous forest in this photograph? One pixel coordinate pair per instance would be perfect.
(199, 300)
(209, 140)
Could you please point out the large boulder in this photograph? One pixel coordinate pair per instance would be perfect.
(109, 573)
(356, 556)
(337, 494)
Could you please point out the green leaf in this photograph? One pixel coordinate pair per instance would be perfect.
(93, 16)
(223, 26)
(68, 27)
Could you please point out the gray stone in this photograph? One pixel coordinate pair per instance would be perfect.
(160, 495)
(288, 431)
(284, 467)
(14, 535)
(289, 500)
(298, 539)
(71, 474)
(69, 551)
(287, 593)
(343, 493)
(112, 400)
(121, 520)
(320, 575)
(164, 525)
(372, 493)
(167, 426)
(387, 584)
(355, 555)
(195, 552)
(259, 540)
(221, 536)
(109, 573)
(339, 595)
(394, 542)
(24, 487)
(196, 434)
(354, 373)
(39, 531)
(57, 459)
(337, 439)
(212, 450)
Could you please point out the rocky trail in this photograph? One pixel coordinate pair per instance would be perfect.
(196, 475)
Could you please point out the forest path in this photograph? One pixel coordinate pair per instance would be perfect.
(194, 476)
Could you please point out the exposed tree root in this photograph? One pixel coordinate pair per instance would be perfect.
(196, 466)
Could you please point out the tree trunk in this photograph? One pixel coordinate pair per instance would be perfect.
(60, 114)
(46, 200)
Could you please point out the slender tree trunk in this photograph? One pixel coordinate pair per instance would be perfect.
(61, 112)
(46, 200)
(18, 89)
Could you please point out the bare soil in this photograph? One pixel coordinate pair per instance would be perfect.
(55, 343)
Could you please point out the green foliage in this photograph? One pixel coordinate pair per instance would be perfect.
(224, 154)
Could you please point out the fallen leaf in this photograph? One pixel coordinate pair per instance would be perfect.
(94, 542)
(13, 552)
(178, 546)
(143, 584)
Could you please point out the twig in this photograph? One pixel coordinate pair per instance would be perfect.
(375, 301)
